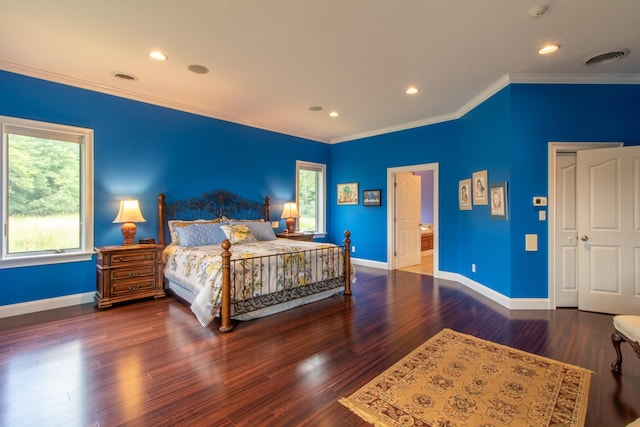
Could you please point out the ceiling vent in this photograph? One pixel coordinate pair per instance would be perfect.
(607, 57)
(124, 76)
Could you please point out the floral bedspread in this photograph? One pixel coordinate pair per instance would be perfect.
(260, 268)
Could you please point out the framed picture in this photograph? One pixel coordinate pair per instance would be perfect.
(464, 194)
(479, 184)
(371, 197)
(499, 202)
(348, 193)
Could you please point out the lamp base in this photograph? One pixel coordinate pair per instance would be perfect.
(129, 233)
(291, 225)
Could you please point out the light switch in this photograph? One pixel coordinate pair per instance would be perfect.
(531, 242)
(542, 215)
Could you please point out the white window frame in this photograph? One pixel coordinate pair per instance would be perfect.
(50, 130)
(321, 220)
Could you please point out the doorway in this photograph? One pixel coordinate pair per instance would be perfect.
(430, 258)
(562, 249)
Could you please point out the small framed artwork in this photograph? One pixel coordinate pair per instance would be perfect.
(371, 197)
(464, 194)
(499, 202)
(479, 184)
(348, 193)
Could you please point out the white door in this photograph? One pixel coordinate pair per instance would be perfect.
(408, 205)
(566, 243)
(608, 211)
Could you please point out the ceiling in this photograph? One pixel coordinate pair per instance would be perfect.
(269, 61)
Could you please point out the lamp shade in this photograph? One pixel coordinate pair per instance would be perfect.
(290, 210)
(129, 212)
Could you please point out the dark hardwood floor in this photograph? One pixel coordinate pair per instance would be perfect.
(151, 363)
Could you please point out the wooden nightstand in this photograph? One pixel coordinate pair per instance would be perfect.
(307, 237)
(129, 272)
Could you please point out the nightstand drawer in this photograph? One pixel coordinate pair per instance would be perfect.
(130, 287)
(139, 273)
(133, 257)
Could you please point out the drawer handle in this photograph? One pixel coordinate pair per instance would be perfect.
(133, 274)
(131, 288)
(148, 256)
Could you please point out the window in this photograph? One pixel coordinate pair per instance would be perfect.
(311, 196)
(47, 193)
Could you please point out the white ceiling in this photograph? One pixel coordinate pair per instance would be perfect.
(270, 60)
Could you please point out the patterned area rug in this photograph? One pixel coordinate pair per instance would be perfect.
(459, 380)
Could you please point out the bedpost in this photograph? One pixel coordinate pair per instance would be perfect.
(161, 219)
(347, 262)
(225, 303)
(267, 209)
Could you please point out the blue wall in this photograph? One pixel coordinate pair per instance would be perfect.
(142, 150)
(507, 135)
(556, 113)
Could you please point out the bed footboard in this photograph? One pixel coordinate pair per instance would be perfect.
(291, 290)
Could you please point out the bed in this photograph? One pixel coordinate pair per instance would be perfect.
(222, 257)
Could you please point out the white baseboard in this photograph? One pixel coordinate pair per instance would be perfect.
(505, 301)
(45, 304)
(87, 297)
(368, 263)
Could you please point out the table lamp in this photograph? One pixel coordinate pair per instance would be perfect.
(290, 212)
(128, 215)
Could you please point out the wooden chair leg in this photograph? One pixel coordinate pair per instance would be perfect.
(616, 340)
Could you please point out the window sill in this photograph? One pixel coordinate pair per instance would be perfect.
(45, 260)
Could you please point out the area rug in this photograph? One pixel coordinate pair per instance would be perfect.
(459, 380)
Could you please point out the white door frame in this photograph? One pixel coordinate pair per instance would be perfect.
(554, 149)
(391, 206)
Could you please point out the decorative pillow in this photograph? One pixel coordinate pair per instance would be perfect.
(175, 223)
(237, 233)
(260, 229)
(200, 234)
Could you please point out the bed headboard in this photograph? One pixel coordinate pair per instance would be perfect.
(215, 204)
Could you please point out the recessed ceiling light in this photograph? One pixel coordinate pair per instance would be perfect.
(548, 48)
(411, 90)
(157, 55)
(198, 69)
(334, 114)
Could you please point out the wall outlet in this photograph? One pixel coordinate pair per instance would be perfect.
(353, 248)
(275, 224)
(473, 268)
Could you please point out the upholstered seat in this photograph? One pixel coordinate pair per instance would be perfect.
(627, 328)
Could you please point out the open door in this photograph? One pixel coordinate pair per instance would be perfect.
(608, 212)
(407, 224)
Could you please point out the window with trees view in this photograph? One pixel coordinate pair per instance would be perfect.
(310, 184)
(47, 202)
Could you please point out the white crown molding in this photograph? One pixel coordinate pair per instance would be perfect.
(477, 100)
(474, 102)
(134, 96)
(497, 86)
(609, 79)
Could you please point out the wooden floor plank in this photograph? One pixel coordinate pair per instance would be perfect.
(151, 363)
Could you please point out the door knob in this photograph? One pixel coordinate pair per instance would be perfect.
(584, 238)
